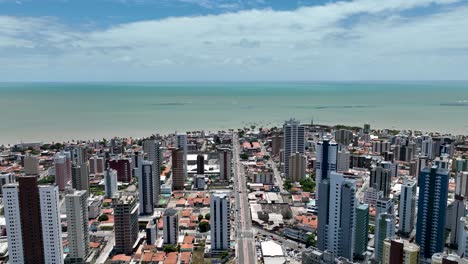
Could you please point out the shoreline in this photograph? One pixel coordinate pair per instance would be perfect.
(145, 133)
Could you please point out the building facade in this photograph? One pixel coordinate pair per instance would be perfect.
(337, 215)
(297, 166)
(77, 226)
(145, 187)
(294, 141)
(432, 205)
(220, 222)
(327, 153)
(125, 224)
(170, 226)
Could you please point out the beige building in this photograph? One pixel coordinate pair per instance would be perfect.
(399, 251)
(31, 165)
(297, 166)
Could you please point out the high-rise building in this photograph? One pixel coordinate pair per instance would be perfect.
(80, 154)
(225, 158)
(427, 148)
(277, 142)
(294, 141)
(125, 224)
(96, 165)
(297, 166)
(151, 233)
(455, 210)
(154, 152)
(398, 251)
(407, 208)
(384, 205)
(381, 146)
(6, 178)
(181, 143)
(123, 168)
(200, 164)
(31, 165)
(327, 153)
(51, 229)
(407, 151)
(80, 176)
(381, 179)
(23, 221)
(178, 178)
(367, 129)
(432, 205)
(461, 184)
(220, 222)
(170, 226)
(33, 222)
(62, 164)
(461, 165)
(343, 136)
(361, 231)
(384, 228)
(463, 238)
(110, 183)
(77, 226)
(336, 215)
(145, 188)
(343, 160)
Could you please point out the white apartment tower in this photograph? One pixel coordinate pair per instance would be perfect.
(32, 220)
(407, 208)
(220, 222)
(77, 226)
(110, 183)
(294, 141)
(51, 228)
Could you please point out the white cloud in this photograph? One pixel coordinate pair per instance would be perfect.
(363, 39)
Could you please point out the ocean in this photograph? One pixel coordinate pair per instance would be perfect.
(43, 112)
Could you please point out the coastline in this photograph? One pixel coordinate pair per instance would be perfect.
(146, 133)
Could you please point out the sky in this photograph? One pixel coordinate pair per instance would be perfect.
(233, 40)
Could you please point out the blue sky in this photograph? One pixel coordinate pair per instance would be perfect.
(233, 40)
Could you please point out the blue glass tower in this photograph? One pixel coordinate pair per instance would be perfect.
(432, 206)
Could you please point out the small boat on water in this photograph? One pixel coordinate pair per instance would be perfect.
(458, 103)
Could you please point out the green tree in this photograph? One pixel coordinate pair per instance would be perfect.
(103, 217)
(224, 255)
(244, 156)
(207, 216)
(371, 229)
(310, 241)
(287, 184)
(204, 227)
(163, 168)
(308, 185)
(200, 217)
(169, 248)
(105, 204)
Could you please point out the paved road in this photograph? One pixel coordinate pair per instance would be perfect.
(106, 251)
(245, 247)
(277, 174)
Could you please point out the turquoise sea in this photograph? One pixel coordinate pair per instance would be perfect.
(32, 112)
